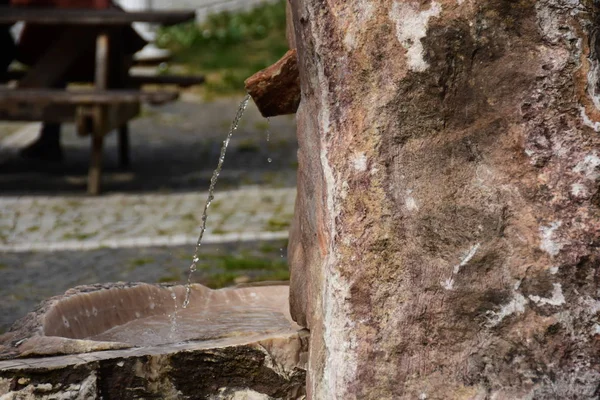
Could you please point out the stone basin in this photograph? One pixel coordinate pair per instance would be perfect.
(106, 339)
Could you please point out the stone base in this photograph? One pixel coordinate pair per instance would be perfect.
(259, 367)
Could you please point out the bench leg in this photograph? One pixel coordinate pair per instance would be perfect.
(95, 172)
(124, 146)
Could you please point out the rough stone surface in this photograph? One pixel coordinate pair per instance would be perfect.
(237, 369)
(445, 241)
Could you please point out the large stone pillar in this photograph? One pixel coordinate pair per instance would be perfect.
(445, 241)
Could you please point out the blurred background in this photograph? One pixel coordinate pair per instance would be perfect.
(143, 226)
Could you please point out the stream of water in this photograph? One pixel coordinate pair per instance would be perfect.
(213, 182)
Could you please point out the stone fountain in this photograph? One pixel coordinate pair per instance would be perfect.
(446, 237)
(122, 341)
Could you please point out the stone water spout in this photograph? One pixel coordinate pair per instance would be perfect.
(276, 89)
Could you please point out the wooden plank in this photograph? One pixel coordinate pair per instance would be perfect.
(178, 80)
(59, 113)
(139, 79)
(99, 115)
(54, 16)
(97, 141)
(102, 62)
(44, 97)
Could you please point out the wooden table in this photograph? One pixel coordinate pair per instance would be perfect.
(95, 114)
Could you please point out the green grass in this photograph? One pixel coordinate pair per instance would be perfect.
(248, 146)
(276, 225)
(229, 47)
(138, 262)
(228, 268)
(262, 126)
(77, 236)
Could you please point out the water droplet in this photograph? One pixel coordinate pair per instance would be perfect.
(173, 296)
(269, 159)
(195, 259)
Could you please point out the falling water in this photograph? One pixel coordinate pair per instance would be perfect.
(211, 189)
(173, 317)
(269, 136)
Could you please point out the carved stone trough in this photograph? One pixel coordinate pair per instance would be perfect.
(125, 341)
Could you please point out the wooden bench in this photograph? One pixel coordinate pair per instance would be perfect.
(95, 113)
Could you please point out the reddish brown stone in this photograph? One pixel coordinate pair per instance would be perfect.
(276, 89)
(446, 240)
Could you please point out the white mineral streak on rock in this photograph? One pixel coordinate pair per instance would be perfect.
(362, 11)
(515, 306)
(548, 242)
(549, 22)
(579, 190)
(448, 284)
(593, 80)
(359, 161)
(589, 166)
(592, 305)
(241, 394)
(339, 368)
(587, 121)
(410, 202)
(557, 298)
(411, 27)
(467, 258)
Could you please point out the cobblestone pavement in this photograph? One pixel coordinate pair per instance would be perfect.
(115, 221)
(142, 228)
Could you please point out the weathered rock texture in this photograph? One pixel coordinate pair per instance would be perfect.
(445, 241)
(261, 367)
(123, 341)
